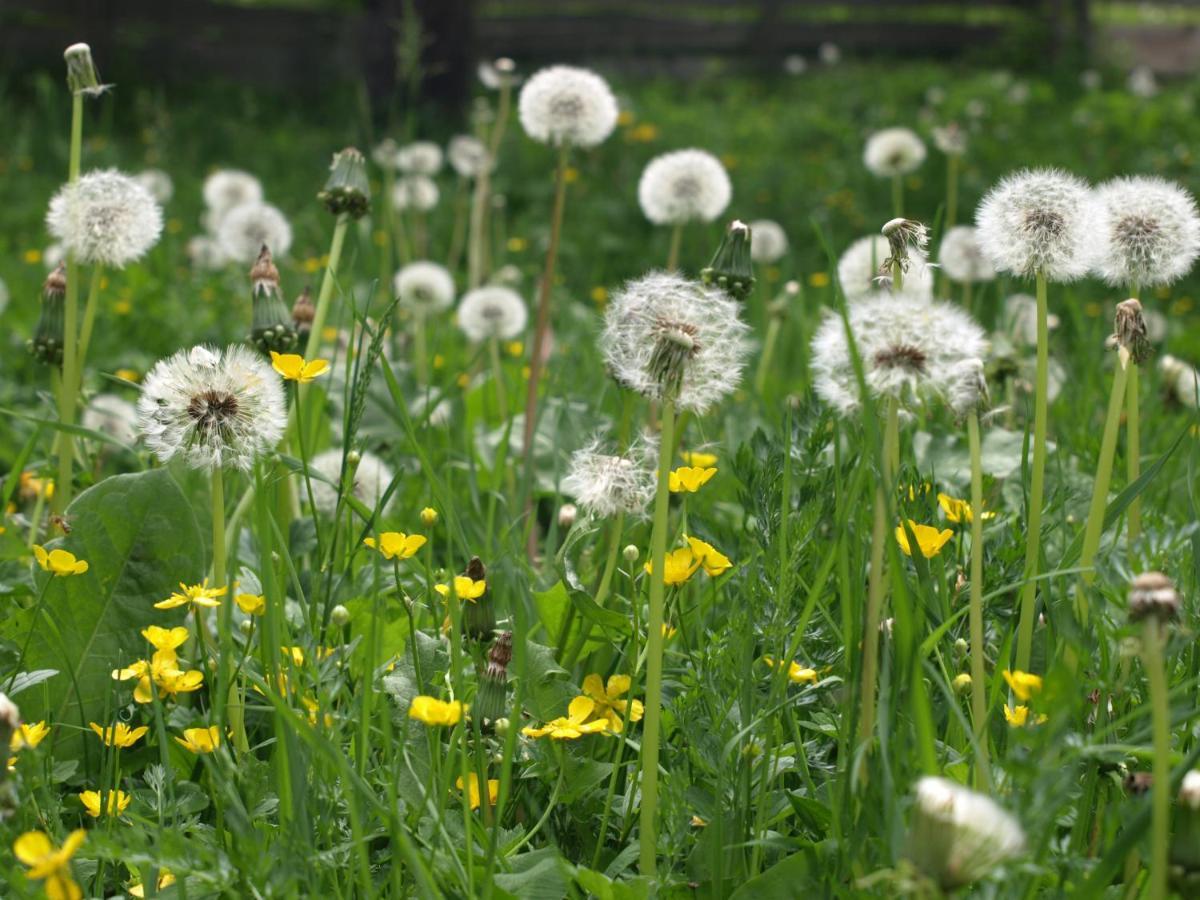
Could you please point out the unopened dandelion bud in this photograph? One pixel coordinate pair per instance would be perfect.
(1129, 333)
(46, 344)
(631, 553)
(347, 189)
(566, 515)
(962, 683)
(731, 268)
(303, 312)
(339, 616)
(479, 615)
(1153, 595)
(271, 328)
(492, 699)
(82, 77)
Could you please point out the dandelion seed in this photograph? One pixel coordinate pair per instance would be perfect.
(567, 105)
(893, 151)
(768, 241)
(105, 218)
(371, 478)
(468, 156)
(425, 287)
(227, 189)
(492, 312)
(684, 186)
(1151, 234)
(245, 229)
(961, 257)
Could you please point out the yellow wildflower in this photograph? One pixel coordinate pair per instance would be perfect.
(679, 565)
(294, 367)
(818, 279)
(465, 588)
(165, 880)
(516, 244)
(251, 604)
(797, 673)
(59, 562)
(429, 516)
(959, 511)
(1023, 684)
(162, 669)
(698, 459)
(714, 561)
(396, 544)
(28, 735)
(609, 704)
(119, 735)
(296, 653)
(195, 594)
(929, 540)
(1018, 717)
(493, 789)
(433, 711)
(118, 801)
(200, 740)
(574, 725)
(49, 863)
(128, 375)
(689, 479)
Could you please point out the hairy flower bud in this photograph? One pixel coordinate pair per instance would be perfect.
(491, 701)
(347, 189)
(82, 77)
(1129, 333)
(479, 615)
(303, 312)
(1153, 594)
(271, 327)
(731, 269)
(46, 344)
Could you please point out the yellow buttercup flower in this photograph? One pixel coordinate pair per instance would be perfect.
(929, 539)
(493, 789)
(162, 669)
(195, 594)
(698, 459)
(433, 711)
(1018, 717)
(200, 740)
(429, 516)
(396, 544)
(294, 367)
(28, 735)
(797, 673)
(1023, 684)
(713, 560)
(59, 562)
(465, 588)
(165, 880)
(251, 604)
(678, 565)
(959, 511)
(119, 735)
(49, 863)
(574, 725)
(118, 801)
(608, 702)
(689, 479)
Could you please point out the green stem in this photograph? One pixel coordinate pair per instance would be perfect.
(978, 687)
(676, 244)
(951, 192)
(326, 294)
(89, 320)
(764, 363)
(1108, 447)
(1152, 644)
(610, 567)
(1034, 529)
(224, 616)
(1133, 453)
(498, 378)
(420, 352)
(897, 195)
(648, 836)
(476, 245)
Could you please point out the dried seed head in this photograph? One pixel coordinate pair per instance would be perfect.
(1129, 333)
(82, 77)
(1153, 595)
(906, 239)
(303, 312)
(951, 139)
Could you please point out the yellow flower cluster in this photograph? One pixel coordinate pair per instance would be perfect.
(682, 563)
(601, 707)
(162, 669)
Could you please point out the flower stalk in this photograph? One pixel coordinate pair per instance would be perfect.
(978, 675)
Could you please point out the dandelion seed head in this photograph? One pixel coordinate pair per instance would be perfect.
(1142, 83)
(212, 408)
(665, 333)
(567, 105)
(950, 139)
(419, 158)
(425, 287)
(1041, 220)
(1180, 379)
(468, 156)
(494, 74)
(492, 311)
(419, 192)
(859, 269)
(112, 415)
(245, 229)
(605, 484)
(893, 151)
(1151, 234)
(227, 189)
(684, 186)
(371, 479)
(961, 257)
(105, 218)
(768, 241)
(158, 183)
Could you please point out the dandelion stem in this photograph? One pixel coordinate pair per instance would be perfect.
(476, 246)
(978, 686)
(1153, 640)
(420, 352)
(1133, 452)
(89, 321)
(459, 233)
(897, 195)
(648, 832)
(774, 325)
(498, 377)
(676, 244)
(1095, 519)
(326, 294)
(1034, 528)
(951, 192)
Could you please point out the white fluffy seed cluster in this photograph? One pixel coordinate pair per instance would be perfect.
(1151, 233)
(684, 186)
(1042, 220)
(425, 287)
(419, 192)
(246, 228)
(1181, 380)
(893, 151)
(957, 835)
(605, 484)
(492, 311)
(419, 158)
(567, 105)
(158, 183)
(468, 156)
(664, 307)
(859, 271)
(229, 188)
(371, 480)
(961, 257)
(768, 241)
(113, 416)
(913, 350)
(212, 408)
(105, 218)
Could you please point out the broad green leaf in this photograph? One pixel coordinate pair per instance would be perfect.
(788, 878)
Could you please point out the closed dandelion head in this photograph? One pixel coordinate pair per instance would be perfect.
(212, 408)
(768, 241)
(893, 151)
(468, 156)
(245, 229)
(419, 158)
(105, 218)
(82, 77)
(425, 287)
(371, 478)
(419, 192)
(950, 139)
(1152, 595)
(227, 189)
(492, 311)
(567, 105)
(606, 484)
(1181, 380)
(684, 186)
(346, 189)
(911, 351)
(1151, 232)
(667, 336)
(1041, 220)
(495, 74)
(859, 271)
(966, 390)
(961, 257)
(957, 835)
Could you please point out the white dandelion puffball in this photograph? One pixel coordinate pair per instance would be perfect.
(105, 217)
(492, 311)
(859, 270)
(204, 252)
(605, 484)
(244, 230)
(684, 186)
(1151, 234)
(567, 105)
(1142, 83)
(667, 334)
(1180, 379)
(384, 154)
(226, 189)
(112, 415)
(1042, 220)
(419, 158)
(909, 348)
(53, 255)
(958, 835)
(158, 183)
(468, 156)
(830, 53)
(425, 287)
(768, 241)
(371, 480)
(1020, 319)
(961, 257)
(212, 408)
(893, 151)
(419, 192)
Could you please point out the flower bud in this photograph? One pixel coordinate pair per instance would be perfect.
(347, 189)
(731, 269)
(1153, 594)
(303, 312)
(429, 516)
(566, 515)
(1129, 333)
(46, 344)
(271, 328)
(339, 616)
(82, 77)
(491, 701)
(962, 683)
(961, 647)
(500, 727)
(246, 626)
(479, 615)
(631, 553)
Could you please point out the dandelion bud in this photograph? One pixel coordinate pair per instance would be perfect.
(958, 836)
(967, 391)
(1153, 594)
(962, 683)
(271, 327)
(339, 616)
(631, 553)
(303, 311)
(731, 269)
(82, 77)
(491, 701)
(47, 341)
(347, 190)
(479, 615)
(1129, 333)
(566, 515)
(429, 516)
